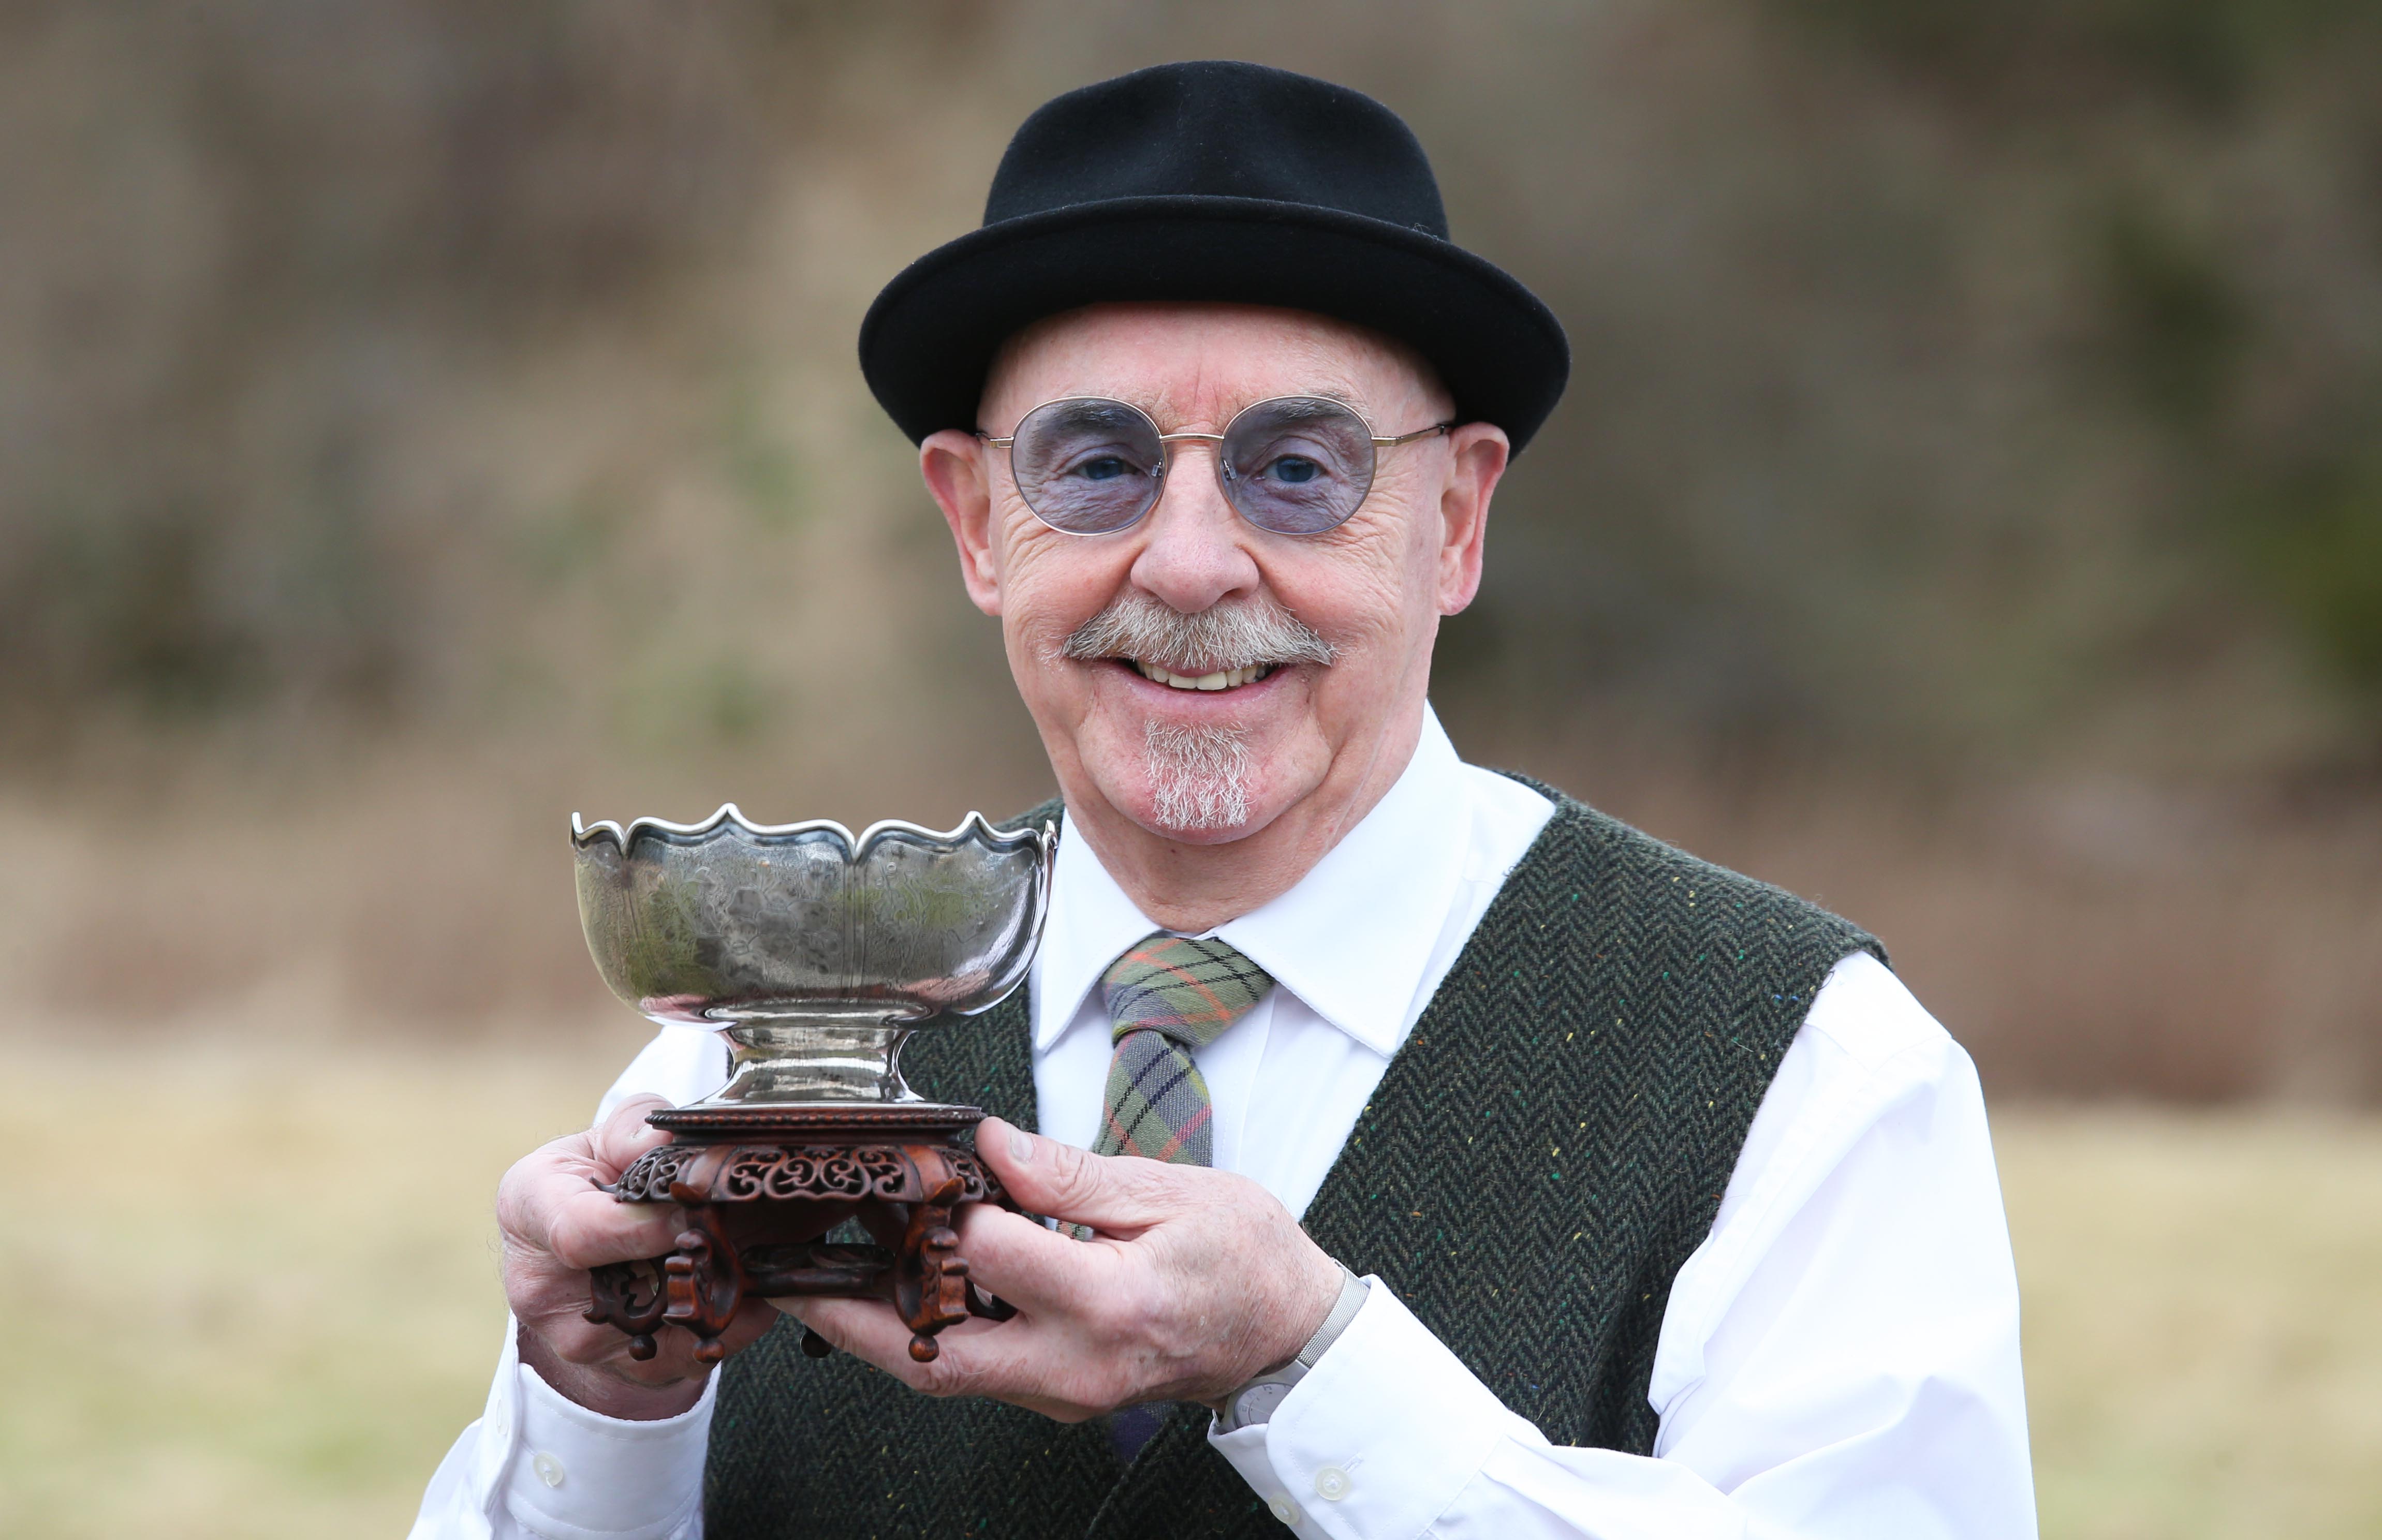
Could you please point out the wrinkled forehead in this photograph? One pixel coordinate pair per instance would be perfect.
(1194, 365)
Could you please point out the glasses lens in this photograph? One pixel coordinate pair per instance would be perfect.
(1088, 466)
(1299, 465)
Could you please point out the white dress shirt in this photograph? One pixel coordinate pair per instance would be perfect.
(1839, 1358)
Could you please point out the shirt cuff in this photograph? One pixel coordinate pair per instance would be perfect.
(1379, 1438)
(576, 1474)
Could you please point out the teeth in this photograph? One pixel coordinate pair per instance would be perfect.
(1231, 678)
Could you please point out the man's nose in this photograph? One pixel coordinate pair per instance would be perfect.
(1196, 553)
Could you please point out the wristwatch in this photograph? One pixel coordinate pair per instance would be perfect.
(1254, 1402)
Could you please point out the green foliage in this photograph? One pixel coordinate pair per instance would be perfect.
(2319, 545)
(732, 699)
(570, 540)
(126, 605)
(763, 467)
(2182, 329)
(2305, 513)
(1948, 374)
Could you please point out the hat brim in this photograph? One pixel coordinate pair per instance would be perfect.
(929, 339)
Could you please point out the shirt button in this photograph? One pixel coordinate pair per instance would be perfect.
(1282, 1507)
(550, 1470)
(1331, 1484)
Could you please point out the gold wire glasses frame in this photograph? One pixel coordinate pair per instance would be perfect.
(1224, 474)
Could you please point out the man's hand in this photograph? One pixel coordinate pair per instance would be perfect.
(556, 1226)
(1195, 1282)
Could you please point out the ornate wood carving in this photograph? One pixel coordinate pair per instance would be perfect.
(745, 1173)
(756, 1211)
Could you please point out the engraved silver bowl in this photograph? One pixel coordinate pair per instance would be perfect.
(816, 953)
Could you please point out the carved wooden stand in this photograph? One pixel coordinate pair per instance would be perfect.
(761, 1184)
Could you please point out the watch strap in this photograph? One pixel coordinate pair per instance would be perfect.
(1254, 1402)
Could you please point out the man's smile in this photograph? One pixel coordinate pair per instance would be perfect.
(1230, 678)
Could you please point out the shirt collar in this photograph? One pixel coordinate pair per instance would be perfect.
(1351, 939)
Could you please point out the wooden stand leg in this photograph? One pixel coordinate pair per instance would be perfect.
(630, 1300)
(705, 1279)
(930, 1280)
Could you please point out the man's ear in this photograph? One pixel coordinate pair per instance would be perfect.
(953, 466)
(1478, 452)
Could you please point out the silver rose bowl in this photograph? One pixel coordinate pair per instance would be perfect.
(817, 954)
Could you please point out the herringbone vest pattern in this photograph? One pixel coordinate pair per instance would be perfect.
(1538, 1163)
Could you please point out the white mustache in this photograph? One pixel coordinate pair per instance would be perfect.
(1238, 633)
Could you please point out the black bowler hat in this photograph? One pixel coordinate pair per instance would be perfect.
(1213, 180)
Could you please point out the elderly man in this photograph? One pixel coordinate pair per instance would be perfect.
(1428, 1153)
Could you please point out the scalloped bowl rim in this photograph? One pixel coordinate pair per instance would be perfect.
(731, 818)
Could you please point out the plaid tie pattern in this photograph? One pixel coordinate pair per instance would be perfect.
(1167, 996)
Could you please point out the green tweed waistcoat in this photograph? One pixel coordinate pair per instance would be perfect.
(1541, 1158)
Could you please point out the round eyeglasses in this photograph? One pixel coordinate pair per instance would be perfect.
(1289, 464)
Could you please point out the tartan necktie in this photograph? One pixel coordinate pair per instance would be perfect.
(1166, 995)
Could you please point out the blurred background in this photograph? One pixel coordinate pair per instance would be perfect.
(421, 419)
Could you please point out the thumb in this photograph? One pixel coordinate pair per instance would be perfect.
(625, 1135)
(1109, 1192)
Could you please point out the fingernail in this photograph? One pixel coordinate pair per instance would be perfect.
(1021, 1145)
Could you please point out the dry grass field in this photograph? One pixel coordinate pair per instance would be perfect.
(259, 1297)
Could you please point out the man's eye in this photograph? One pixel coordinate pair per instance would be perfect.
(1105, 467)
(1294, 468)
